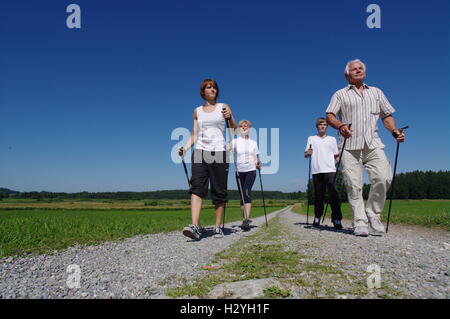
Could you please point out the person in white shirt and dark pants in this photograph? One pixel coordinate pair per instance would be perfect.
(247, 162)
(324, 152)
(209, 160)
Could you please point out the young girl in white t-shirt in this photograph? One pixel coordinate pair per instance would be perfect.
(247, 162)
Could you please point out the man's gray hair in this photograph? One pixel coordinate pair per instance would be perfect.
(353, 61)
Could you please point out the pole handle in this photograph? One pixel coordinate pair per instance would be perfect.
(226, 120)
(400, 130)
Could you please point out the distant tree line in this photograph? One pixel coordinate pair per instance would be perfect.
(422, 185)
(411, 185)
(165, 194)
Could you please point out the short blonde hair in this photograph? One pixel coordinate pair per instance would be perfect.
(321, 120)
(245, 122)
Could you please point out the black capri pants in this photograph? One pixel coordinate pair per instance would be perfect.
(247, 181)
(210, 167)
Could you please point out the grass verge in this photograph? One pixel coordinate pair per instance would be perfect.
(429, 213)
(43, 231)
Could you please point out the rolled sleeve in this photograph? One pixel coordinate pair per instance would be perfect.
(386, 108)
(335, 104)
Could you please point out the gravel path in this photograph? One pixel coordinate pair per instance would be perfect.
(138, 267)
(412, 259)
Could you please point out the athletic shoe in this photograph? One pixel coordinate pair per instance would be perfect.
(337, 224)
(362, 231)
(192, 231)
(245, 224)
(376, 226)
(316, 222)
(218, 233)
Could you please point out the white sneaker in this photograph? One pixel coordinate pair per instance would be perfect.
(377, 226)
(362, 231)
(218, 233)
(316, 222)
(192, 231)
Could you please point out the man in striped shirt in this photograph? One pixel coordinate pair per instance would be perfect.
(361, 105)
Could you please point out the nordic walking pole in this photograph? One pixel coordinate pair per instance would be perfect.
(307, 194)
(262, 193)
(393, 178)
(337, 169)
(185, 171)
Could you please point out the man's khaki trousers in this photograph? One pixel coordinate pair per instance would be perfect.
(380, 175)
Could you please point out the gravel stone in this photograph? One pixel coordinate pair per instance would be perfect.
(412, 259)
(130, 268)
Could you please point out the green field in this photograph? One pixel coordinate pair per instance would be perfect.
(430, 213)
(27, 227)
(113, 204)
(37, 230)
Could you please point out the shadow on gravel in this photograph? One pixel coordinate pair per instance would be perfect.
(347, 231)
(209, 232)
(238, 228)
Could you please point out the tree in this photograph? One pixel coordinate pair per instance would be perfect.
(340, 186)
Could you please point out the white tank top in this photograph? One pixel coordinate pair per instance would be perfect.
(211, 129)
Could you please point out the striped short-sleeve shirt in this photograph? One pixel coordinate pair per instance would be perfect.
(362, 110)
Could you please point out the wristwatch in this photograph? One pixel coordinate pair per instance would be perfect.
(395, 135)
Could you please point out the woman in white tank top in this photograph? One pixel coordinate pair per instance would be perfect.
(209, 163)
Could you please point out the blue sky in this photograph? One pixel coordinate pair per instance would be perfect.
(93, 108)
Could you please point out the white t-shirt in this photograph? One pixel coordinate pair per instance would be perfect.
(246, 151)
(324, 150)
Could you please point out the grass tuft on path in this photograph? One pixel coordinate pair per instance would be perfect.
(274, 252)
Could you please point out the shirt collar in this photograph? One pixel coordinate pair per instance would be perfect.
(351, 86)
